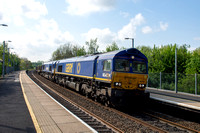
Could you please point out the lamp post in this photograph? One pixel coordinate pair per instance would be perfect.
(14, 62)
(9, 60)
(132, 41)
(4, 43)
(3, 51)
(4, 25)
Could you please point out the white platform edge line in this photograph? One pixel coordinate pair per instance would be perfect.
(177, 103)
(93, 130)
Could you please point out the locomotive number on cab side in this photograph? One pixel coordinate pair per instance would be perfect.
(69, 67)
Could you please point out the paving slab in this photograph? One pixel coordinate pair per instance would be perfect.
(14, 114)
(49, 115)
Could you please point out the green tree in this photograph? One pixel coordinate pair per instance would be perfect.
(68, 50)
(13, 62)
(92, 46)
(38, 63)
(112, 47)
(25, 64)
(162, 59)
(183, 56)
(79, 51)
(64, 51)
(193, 65)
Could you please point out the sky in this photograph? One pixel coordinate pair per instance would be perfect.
(38, 27)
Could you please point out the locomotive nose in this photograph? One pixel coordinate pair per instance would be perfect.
(129, 81)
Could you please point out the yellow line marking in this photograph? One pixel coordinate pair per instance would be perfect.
(83, 76)
(35, 122)
(74, 75)
(103, 79)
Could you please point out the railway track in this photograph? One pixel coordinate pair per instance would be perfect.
(111, 119)
(91, 119)
(152, 114)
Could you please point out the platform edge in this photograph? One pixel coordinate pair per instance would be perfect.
(35, 122)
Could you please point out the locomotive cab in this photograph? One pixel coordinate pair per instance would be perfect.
(123, 75)
(129, 74)
(129, 77)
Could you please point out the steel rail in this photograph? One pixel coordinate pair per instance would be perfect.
(118, 112)
(172, 123)
(139, 121)
(85, 110)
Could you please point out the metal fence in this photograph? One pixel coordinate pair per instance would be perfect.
(188, 83)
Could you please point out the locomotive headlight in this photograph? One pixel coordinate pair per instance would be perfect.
(142, 85)
(117, 84)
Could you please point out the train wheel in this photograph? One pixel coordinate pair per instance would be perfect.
(83, 89)
(96, 99)
(107, 103)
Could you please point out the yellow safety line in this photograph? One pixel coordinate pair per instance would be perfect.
(83, 76)
(35, 122)
(103, 79)
(74, 75)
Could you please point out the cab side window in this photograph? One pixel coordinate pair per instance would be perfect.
(59, 68)
(50, 68)
(107, 65)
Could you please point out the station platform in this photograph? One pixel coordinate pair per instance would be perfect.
(47, 114)
(14, 114)
(185, 100)
(25, 107)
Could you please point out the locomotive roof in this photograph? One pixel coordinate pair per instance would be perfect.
(108, 55)
(126, 52)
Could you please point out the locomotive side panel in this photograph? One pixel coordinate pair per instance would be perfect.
(84, 68)
(104, 70)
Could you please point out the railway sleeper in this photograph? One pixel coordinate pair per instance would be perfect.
(85, 88)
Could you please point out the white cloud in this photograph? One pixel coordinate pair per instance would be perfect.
(129, 30)
(11, 10)
(197, 38)
(83, 7)
(163, 26)
(17, 20)
(124, 14)
(104, 36)
(39, 42)
(147, 29)
(33, 9)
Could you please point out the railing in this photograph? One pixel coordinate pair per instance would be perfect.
(188, 83)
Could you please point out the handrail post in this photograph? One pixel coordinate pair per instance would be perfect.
(3, 58)
(160, 80)
(195, 83)
(176, 90)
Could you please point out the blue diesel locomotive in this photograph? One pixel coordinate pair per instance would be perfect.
(113, 78)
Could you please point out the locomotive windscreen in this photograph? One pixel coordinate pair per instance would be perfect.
(139, 67)
(122, 65)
